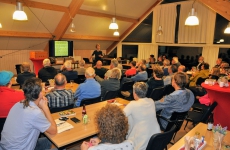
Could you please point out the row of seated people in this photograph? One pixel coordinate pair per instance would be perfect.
(129, 123)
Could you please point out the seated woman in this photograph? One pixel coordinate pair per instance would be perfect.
(142, 117)
(180, 100)
(113, 127)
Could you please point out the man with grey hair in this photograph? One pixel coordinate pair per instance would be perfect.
(89, 89)
(60, 97)
(175, 61)
(141, 115)
(81, 69)
(67, 70)
(26, 74)
(114, 64)
(47, 72)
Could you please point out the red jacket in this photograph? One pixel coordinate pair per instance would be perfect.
(8, 97)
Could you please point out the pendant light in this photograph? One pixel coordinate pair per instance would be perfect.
(0, 25)
(227, 30)
(72, 27)
(192, 19)
(116, 33)
(19, 14)
(113, 24)
(159, 31)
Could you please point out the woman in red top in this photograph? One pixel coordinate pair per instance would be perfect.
(132, 70)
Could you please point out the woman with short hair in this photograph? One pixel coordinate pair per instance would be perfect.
(112, 126)
(141, 116)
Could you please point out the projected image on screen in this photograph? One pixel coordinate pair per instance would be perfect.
(61, 48)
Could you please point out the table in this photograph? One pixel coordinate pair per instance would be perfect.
(80, 131)
(222, 97)
(202, 128)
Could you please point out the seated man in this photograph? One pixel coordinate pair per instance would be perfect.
(112, 84)
(180, 100)
(99, 70)
(89, 89)
(25, 75)
(81, 69)
(181, 68)
(67, 70)
(27, 119)
(171, 70)
(8, 95)
(60, 97)
(47, 72)
(114, 64)
(175, 61)
(132, 71)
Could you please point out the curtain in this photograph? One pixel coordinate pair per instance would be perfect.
(200, 33)
(210, 54)
(145, 50)
(164, 15)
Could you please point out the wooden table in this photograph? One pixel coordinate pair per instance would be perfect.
(80, 131)
(202, 129)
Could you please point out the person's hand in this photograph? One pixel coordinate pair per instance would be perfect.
(43, 103)
(85, 145)
(95, 141)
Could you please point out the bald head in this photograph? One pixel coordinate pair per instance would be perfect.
(181, 68)
(60, 80)
(89, 72)
(25, 67)
(98, 64)
(201, 59)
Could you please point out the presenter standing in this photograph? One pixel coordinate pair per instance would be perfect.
(97, 53)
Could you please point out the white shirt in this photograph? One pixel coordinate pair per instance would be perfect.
(142, 122)
(126, 145)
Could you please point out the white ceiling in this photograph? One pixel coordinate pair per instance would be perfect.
(85, 25)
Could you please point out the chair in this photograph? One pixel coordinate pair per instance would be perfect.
(80, 79)
(57, 109)
(160, 141)
(155, 94)
(177, 119)
(195, 117)
(110, 95)
(2, 122)
(168, 89)
(88, 101)
(87, 61)
(126, 86)
(200, 80)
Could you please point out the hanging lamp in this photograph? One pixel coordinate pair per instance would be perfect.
(113, 24)
(227, 30)
(72, 27)
(192, 19)
(19, 14)
(159, 31)
(116, 33)
(0, 25)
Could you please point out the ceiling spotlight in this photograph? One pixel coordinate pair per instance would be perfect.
(19, 14)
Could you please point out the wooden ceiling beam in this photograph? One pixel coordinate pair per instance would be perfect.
(24, 34)
(89, 37)
(98, 14)
(34, 4)
(221, 7)
(132, 27)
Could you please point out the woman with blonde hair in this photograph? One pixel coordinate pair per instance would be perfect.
(112, 126)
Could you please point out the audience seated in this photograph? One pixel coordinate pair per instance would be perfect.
(132, 70)
(160, 62)
(26, 74)
(181, 68)
(59, 96)
(155, 81)
(27, 119)
(179, 101)
(47, 72)
(152, 60)
(224, 69)
(215, 73)
(9, 96)
(99, 70)
(141, 116)
(218, 62)
(200, 62)
(81, 69)
(175, 61)
(89, 89)
(203, 73)
(111, 84)
(112, 126)
(171, 70)
(67, 70)
(114, 64)
(166, 64)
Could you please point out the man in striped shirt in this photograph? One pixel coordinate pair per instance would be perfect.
(60, 97)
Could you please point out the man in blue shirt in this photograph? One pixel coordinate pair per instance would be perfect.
(89, 89)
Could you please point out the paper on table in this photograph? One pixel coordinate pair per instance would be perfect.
(118, 104)
(63, 125)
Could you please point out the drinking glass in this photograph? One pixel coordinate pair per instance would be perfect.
(71, 83)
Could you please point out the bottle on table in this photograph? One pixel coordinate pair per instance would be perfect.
(83, 111)
(210, 122)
